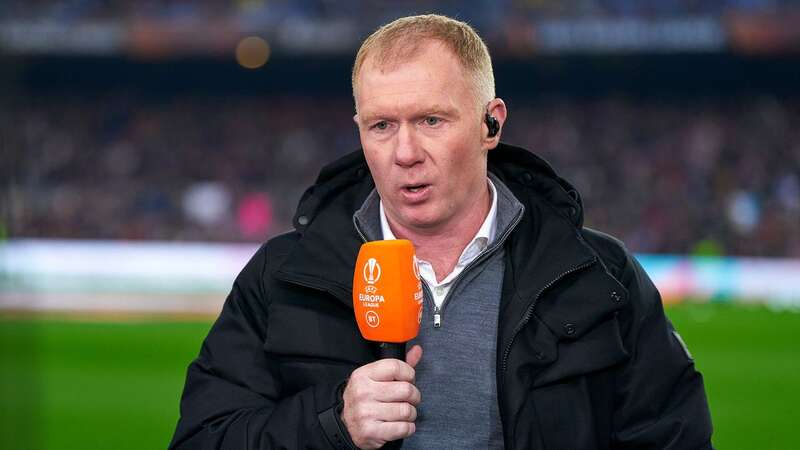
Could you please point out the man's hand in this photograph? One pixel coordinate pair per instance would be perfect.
(380, 401)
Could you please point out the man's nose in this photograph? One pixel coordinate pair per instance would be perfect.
(408, 151)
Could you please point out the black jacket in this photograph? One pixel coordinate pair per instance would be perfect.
(586, 358)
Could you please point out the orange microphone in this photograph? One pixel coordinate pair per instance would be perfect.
(387, 295)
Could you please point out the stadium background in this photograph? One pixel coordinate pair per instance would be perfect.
(147, 147)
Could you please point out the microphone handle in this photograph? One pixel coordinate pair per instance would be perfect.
(392, 350)
(396, 351)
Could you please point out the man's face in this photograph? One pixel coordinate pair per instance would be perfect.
(423, 139)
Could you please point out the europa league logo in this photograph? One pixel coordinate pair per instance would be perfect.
(372, 271)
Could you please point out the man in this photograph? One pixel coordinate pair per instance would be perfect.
(536, 333)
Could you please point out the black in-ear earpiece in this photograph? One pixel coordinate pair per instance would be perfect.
(493, 125)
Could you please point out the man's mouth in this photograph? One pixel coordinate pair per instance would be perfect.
(414, 188)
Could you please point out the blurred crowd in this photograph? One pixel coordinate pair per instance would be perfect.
(371, 11)
(712, 176)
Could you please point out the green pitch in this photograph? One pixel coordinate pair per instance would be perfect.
(89, 385)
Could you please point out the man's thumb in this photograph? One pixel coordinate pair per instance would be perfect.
(414, 355)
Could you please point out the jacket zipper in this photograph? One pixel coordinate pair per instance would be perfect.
(529, 312)
(525, 319)
(439, 311)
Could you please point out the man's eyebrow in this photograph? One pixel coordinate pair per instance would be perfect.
(433, 110)
(371, 117)
(439, 110)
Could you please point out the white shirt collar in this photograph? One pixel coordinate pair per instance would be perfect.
(484, 236)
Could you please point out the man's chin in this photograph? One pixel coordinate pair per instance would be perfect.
(424, 224)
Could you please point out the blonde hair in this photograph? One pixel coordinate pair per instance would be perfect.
(398, 41)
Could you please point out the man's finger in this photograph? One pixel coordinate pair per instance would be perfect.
(398, 391)
(394, 412)
(390, 370)
(392, 431)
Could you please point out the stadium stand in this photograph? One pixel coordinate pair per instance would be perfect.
(719, 176)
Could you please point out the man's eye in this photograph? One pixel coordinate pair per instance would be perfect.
(382, 125)
(432, 121)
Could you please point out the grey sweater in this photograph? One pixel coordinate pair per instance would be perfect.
(456, 375)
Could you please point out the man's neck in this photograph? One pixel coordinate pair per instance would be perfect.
(442, 247)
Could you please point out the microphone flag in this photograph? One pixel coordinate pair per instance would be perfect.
(387, 291)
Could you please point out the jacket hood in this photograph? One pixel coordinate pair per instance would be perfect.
(506, 161)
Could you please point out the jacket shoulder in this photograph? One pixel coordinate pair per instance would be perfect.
(625, 268)
(612, 252)
(277, 248)
(266, 260)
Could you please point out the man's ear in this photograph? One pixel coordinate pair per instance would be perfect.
(497, 109)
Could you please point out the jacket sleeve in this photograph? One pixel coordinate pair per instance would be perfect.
(233, 399)
(660, 400)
